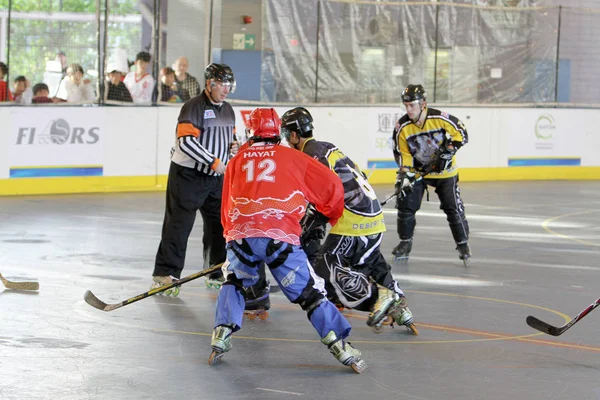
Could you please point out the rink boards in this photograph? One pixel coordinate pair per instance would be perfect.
(70, 149)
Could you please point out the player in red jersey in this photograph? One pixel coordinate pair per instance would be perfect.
(265, 192)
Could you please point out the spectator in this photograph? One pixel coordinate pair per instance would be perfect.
(185, 80)
(61, 57)
(140, 83)
(168, 90)
(116, 89)
(5, 94)
(73, 88)
(41, 93)
(22, 90)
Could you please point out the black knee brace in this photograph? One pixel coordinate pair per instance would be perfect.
(309, 299)
(406, 224)
(235, 283)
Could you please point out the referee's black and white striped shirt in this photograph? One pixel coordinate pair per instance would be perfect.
(204, 134)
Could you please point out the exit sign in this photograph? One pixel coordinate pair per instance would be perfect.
(244, 41)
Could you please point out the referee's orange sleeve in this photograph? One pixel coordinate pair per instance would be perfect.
(187, 129)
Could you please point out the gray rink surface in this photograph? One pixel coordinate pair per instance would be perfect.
(535, 247)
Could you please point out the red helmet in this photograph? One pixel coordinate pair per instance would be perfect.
(263, 123)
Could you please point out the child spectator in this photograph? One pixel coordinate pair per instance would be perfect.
(73, 88)
(140, 83)
(22, 90)
(116, 89)
(41, 93)
(168, 89)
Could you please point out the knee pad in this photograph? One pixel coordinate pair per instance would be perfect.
(237, 284)
(406, 224)
(257, 291)
(310, 299)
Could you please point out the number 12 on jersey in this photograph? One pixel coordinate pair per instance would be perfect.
(265, 167)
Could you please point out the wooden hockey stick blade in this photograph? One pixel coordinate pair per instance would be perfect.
(19, 285)
(95, 302)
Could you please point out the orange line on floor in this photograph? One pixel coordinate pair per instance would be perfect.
(363, 316)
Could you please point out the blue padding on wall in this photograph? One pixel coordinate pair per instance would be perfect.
(18, 172)
(382, 164)
(542, 162)
(247, 68)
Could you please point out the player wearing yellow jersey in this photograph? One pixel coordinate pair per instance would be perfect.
(356, 273)
(425, 143)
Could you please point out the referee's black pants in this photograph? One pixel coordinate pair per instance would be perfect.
(189, 191)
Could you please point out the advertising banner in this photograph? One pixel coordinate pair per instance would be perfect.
(380, 129)
(56, 142)
(543, 138)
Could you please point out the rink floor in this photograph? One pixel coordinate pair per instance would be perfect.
(536, 247)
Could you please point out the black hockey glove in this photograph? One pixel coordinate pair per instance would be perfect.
(443, 160)
(313, 225)
(404, 183)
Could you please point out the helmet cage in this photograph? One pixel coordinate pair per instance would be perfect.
(220, 74)
(231, 85)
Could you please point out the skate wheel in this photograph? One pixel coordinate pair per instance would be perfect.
(401, 260)
(359, 366)
(263, 315)
(208, 284)
(377, 329)
(217, 286)
(413, 329)
(215, 357)
(251, 316)
(388, 320)
(174, 292)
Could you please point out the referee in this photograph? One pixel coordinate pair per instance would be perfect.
(205, 140)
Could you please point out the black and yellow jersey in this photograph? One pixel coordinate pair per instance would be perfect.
(415, 147)
(362, 212)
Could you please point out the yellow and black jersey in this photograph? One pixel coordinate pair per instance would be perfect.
(362, 212)
(415, 147)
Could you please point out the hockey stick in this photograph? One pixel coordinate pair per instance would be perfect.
(418, 177)
(95, 302)
(559, 330)
(371, 171)
(19, 285)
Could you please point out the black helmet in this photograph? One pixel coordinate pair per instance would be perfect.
(413, 92)
(297, 119)
(220, 73)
